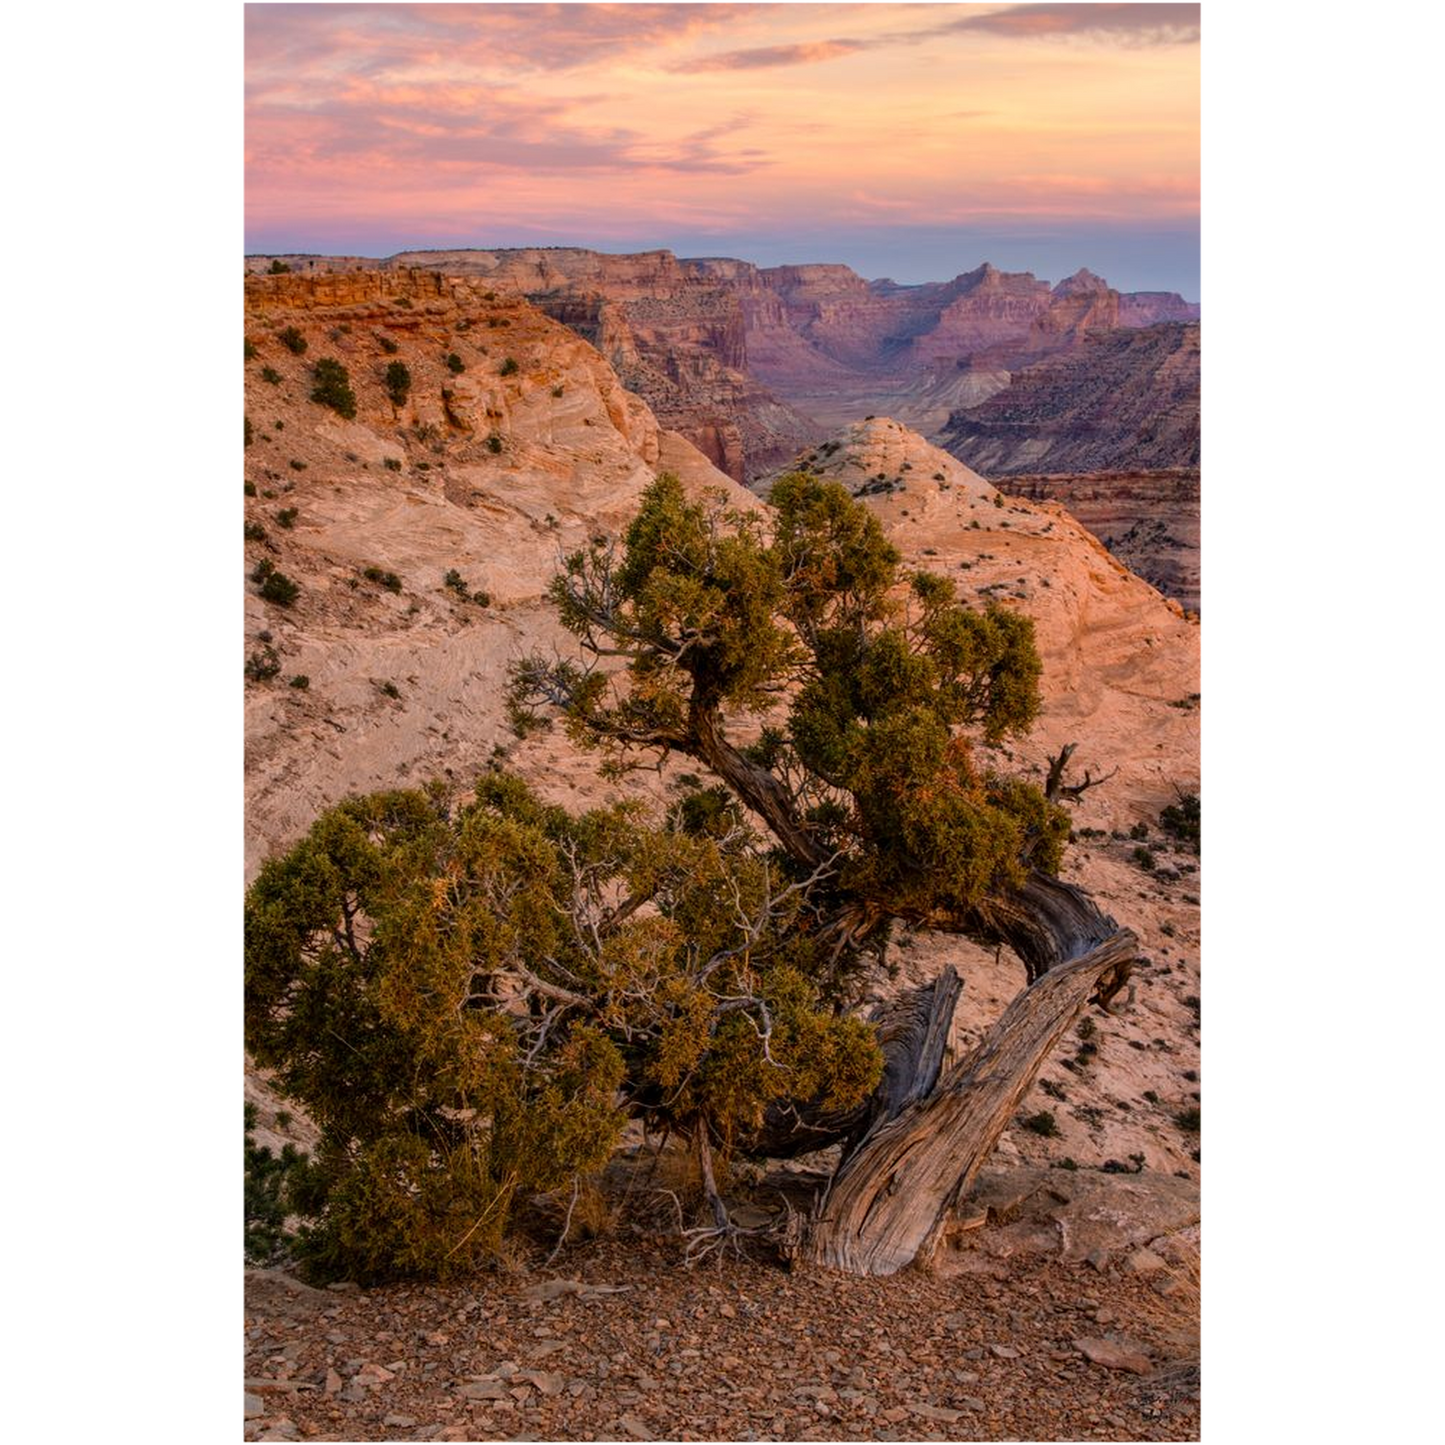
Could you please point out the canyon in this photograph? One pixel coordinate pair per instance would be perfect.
(421, 536)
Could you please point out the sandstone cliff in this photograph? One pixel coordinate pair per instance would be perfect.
(1125, 400)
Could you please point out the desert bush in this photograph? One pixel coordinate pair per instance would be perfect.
(494, 443)
(1043, 1123)
(271, 375)
(455, 364)
(331, 386)
(250, 432)
(250, 349)
(509, 367)
(1181, 820)
(300, 682)
(398, 382)
(387, 345)
(263, 664)
(279, 268)
(250, 489)
(255, 532)
(286, 518)
(392, 464)
(275, 586)
(382, 578)
(292, 340)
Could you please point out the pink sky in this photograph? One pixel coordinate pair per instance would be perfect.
(827, 132)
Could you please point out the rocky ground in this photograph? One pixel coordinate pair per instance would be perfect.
(621, 1342)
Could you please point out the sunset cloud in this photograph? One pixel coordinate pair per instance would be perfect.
(764, 56)
(721, 128)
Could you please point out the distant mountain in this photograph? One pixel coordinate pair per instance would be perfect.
(753, 363)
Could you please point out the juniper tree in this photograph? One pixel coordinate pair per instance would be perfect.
(853, 706)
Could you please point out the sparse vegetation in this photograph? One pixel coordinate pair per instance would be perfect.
(292, 340)
(250, 432)
(286, 518)
(279, 268)
(300, 682)
(331, 386)
(392, 464)
(263, 664)
(267, 1180)
(270, 375)
(388, 345)
(382, 578)
(1189, 1120)
(255, 532)
(275, 586)
(250, 349)
(455, 364)
(1181, 820)
(1043, 1124)
(390, 689)
(494, 443)
(398, 382)
(509, 367)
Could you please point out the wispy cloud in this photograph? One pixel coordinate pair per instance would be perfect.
(762, 57)
(1129, 24)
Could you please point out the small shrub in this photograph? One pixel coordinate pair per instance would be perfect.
(509, 367)
(255, 532)
(390, 689)
(1052, 1089)
(494, 443)
(1043, 1124)
(287, 519)
(279, 268)
(293, 341)
(1150, 1096)
(276, 586)
(454, 581)
(332, 387)
(482, 599)
(270, 374)
(1139, 832)
(455, 364)
(263, 664)
(398, 382)
(1181, 820)
(250, 349)
(556, 392)
(250, 432)
(250, 489)
(1188, 1120)
(297, 466)
(392, 464)
(1144, 857)
(300, 682)
(387, 345)
(382, 578)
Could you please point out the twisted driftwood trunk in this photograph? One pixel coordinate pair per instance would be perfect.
(886, 1206)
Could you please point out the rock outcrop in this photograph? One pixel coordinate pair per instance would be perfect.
(1124, 400)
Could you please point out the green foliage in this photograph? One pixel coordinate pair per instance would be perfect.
(268, 1177)
(894, 684)
(455, 364)
(494, 443)
(249, 488)
(468, 1017)
(292, 340)
(279, 268)
(1181, 820)
(271, 375)
(509, 367)
(1189, 1120)
(392, 464)
(398, 382)
(1043, 1124)
(275, 586)
(387, 345)
(250, 349)
(332, 387)
(263, 664)
(382, 578)
(300, 682)
(255, 532)
(286, 518)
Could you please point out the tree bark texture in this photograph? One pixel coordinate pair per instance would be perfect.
(887, 1204)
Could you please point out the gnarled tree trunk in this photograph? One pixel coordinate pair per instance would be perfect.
(886, 1206)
